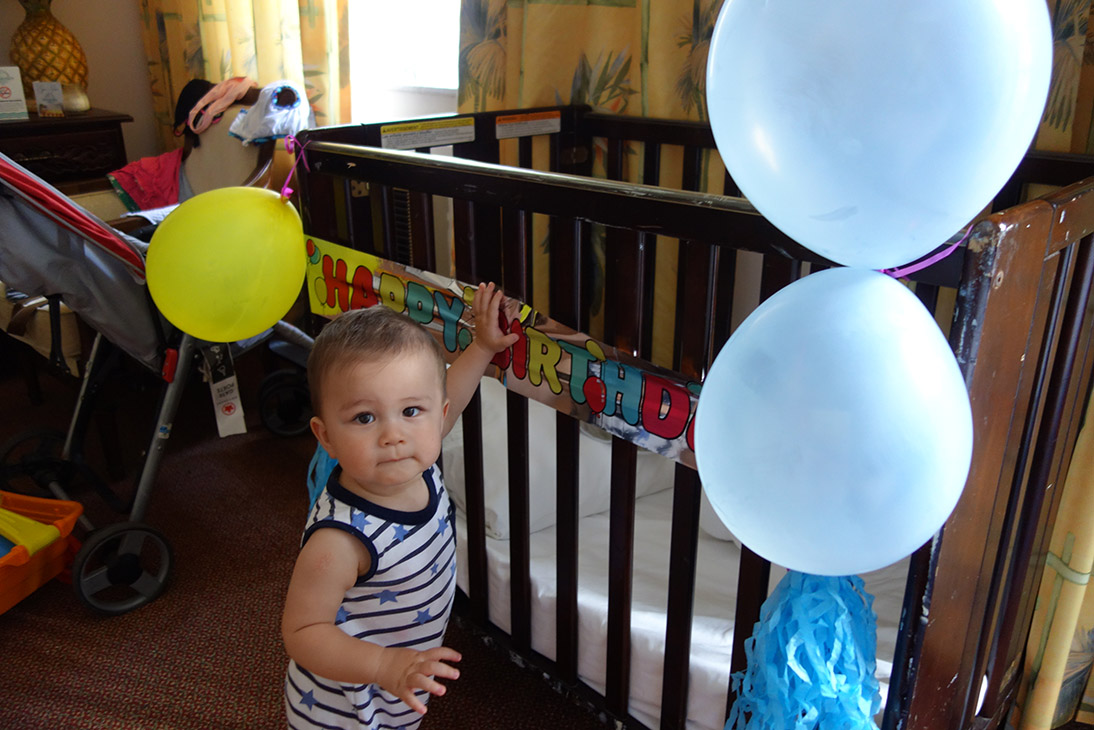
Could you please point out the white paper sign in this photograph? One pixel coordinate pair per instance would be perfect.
(13, 104)
(220, 371)
(49, 97)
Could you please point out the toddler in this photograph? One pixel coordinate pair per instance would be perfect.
(372, 588)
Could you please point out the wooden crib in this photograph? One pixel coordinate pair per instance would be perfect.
(1020, 327)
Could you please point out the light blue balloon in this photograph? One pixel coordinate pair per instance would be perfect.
(833, 434)
(870, 131)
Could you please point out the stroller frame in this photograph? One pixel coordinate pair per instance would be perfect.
(124, 565)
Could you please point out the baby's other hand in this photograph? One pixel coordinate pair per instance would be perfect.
(405, 670)
(485, 305)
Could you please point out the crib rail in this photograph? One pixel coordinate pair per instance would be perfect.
(1020, 329)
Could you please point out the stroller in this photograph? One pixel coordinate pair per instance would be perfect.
(51, 246)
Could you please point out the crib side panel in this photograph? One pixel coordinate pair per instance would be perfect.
(711, 242)
(1023, 339)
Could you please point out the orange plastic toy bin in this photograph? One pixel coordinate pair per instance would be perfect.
(41, 530)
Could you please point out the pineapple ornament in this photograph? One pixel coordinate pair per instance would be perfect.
(45, 50)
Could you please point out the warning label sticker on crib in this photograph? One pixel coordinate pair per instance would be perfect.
(434, 133)
(528, 125)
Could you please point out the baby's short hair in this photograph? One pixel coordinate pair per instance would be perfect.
(367, 334)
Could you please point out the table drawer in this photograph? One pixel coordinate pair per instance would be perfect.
(67, 156)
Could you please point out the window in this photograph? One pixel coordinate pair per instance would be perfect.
(404, 58)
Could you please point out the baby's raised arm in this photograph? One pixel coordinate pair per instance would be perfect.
(328, 564)
(466, 372)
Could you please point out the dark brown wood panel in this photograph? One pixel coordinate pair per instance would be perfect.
(620, 576)
(567, 242)
(516, 275)
(1002, 293)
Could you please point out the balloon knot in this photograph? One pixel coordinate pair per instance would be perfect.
(903, 271)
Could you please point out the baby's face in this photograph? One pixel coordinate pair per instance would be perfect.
(383, 421)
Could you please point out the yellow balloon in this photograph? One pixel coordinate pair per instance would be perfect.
(227, 264)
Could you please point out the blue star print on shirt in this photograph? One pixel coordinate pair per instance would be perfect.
(358, 520)
(401, 533)
(308, 698)
(423, 617)
(343, 614)
(442, 525)
(388, 597)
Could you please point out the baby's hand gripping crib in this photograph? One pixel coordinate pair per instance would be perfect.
(665, 273)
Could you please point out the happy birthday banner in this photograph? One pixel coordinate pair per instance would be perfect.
(632, 399)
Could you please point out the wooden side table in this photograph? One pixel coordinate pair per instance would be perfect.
(73, 153)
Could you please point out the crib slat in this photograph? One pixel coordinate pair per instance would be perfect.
(683, 552)
(357, 210)
(566, 545)
(422, 244)
(651, 164)
(725, 267)
(520, 581)
(928, 294)
(753, 577)
(696, 269)
(647, 242)
(623, 295)
(909, 639)
(620, 575)
(384, 195)
(477, 576)
(477, 569)
(566, 259)
(778, 271)
(516, 227)
(524, 153)
(463, 212)
(614, 165)
(693, 165)
(480, 247)
(730, 187)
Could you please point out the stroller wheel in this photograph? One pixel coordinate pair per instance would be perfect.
(284, 403)
(121, 567)
(31, 460)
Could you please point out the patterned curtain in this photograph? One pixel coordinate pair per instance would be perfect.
(604, 53)
(304, 41)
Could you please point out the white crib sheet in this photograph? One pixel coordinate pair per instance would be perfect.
(712, 628)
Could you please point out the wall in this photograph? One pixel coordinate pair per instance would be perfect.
(110, 33)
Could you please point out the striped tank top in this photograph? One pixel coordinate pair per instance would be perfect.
(404, 600)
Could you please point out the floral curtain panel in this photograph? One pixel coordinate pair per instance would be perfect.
(621, 56)
(304, 41)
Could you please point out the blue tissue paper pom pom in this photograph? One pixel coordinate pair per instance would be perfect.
(811, 659)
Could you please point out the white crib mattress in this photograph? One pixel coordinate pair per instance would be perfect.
(712, 628)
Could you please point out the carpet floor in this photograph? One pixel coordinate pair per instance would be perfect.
(208, 653)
